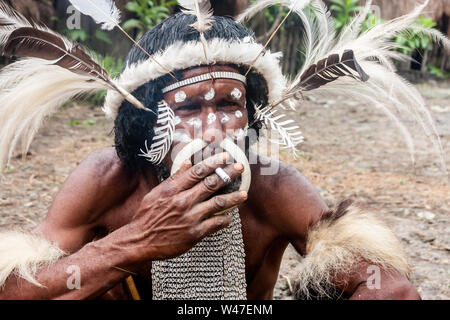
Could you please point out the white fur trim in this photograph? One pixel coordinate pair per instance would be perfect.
(337, 246)
(180, 56)
(22, 254)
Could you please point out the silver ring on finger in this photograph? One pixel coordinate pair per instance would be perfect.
(223, 175)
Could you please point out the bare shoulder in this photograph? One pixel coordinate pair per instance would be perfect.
(291, 202)
(103, 164)
(100, 174)
(90, 190)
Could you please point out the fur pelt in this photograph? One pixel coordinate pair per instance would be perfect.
(342, 239)
(23, 254)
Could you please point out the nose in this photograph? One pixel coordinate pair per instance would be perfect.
(213, 135)
(213, 131)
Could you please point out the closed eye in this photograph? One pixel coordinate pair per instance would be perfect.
(189, 107)
(228, 105)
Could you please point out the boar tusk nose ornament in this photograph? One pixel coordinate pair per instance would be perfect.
(229, 146)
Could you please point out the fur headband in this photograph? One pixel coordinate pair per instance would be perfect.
(180, 56)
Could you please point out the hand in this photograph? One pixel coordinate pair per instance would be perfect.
(176, 215)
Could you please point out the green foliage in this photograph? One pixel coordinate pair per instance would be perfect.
(408, 41)
(148, 14)
(83, 37)
(438, 72)
(414, 40)
(370, 22)
(88, 123)
(343, 11)
(114, 67)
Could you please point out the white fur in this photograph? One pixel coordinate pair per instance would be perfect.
(24, 254)
(180, 56)
(338, 246)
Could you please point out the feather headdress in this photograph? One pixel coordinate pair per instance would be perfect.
(55, 70)
(203, 11)
(106, 13)
(358, 65)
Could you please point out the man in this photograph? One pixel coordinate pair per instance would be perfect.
(114, 218)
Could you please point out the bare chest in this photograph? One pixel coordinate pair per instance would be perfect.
(264, 247)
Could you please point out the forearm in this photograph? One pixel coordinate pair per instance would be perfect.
(96, 263)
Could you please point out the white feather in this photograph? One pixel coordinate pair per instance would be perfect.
(104, 12)
(163, 135)
(290, 136)
(375, 51)
(259, 6)
(202, 10)
(31, 90)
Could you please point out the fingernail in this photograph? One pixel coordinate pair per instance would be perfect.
(225, 156)
(187, 162)
(244, 195)
(239, 167)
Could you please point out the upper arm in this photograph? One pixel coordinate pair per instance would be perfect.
(294, 204)
(84, 196)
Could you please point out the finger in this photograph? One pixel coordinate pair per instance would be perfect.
(218, 204)
(200, 171)
(170, 186)
(185, 166)
(212, 225)
(213, 183)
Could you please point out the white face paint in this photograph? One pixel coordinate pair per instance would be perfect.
(211, 118)
(238, 114)
(181, 137)
(195, 122)
(240, 134)
(225, 119)
(180, 96)
(210, 95)
(236, 94)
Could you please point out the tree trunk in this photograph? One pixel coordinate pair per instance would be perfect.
(229, 8)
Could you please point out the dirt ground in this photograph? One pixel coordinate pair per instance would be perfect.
(351, 151)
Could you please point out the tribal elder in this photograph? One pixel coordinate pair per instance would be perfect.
(191, 229)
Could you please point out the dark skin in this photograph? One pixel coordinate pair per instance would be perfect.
(110, 220)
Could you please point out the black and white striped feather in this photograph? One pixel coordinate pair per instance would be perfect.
(163, 135)
(290, 134)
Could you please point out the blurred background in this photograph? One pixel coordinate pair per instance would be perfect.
(138, 16)
(351, 150)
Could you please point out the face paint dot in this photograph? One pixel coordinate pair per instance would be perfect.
(195, 122)
(238, 114)
(236, 94)
(177, 120)
(211, 118)
(225, 119)
(180, 96)
(210, 95)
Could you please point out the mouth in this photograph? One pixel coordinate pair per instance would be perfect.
(198, 150)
